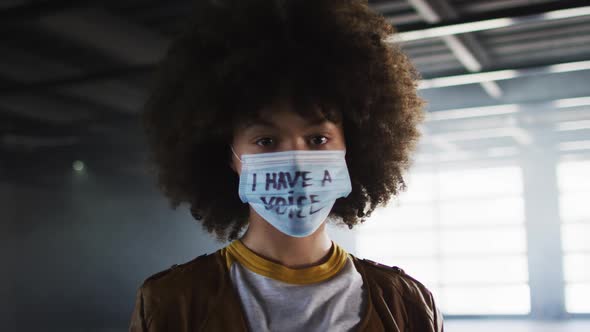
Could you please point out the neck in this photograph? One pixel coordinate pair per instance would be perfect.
(293, 252)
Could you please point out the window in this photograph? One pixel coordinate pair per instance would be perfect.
(574, 190)
(461, 233)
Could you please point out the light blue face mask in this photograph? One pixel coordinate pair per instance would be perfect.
(294, 190)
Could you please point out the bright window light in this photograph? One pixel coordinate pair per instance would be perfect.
(573, 177)
(413, 243)
(483, 182)
(576, 297)
(574, 188)
(575, 236)
(482, 300)
(576, 267)
(406, 216)
(470, 242)
(445, 232)
(484, 269)
(483, 212)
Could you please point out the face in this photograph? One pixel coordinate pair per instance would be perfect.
(279, 128)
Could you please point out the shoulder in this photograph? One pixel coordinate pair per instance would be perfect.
(393, 282)
(201, 272)
(164, 296)
(393, 276)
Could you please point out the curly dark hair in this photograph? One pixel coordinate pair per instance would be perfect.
(236, 56)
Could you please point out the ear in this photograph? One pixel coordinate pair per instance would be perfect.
(232, 163)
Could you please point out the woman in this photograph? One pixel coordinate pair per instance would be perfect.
(268, 119)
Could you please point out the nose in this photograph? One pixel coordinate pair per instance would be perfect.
(294, 143)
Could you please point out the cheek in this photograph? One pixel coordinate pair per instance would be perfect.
(340, 143)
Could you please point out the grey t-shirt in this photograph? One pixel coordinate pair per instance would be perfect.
(333, 304)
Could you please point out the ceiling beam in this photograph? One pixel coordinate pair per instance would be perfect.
(389, 6)
(31, 73)
(504, 74)
(578, 109)
(36, 9)
(33, 142)
(493, 20)
(107, 33)
(456, 44)
(435, 82)
(71, 79)
(46, 109)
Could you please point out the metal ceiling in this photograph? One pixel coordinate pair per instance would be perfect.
(73, 74)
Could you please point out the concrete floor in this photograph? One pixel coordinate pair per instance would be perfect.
(454, 325)
(468, 325)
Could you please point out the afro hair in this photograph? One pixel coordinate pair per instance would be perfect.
(236, 56)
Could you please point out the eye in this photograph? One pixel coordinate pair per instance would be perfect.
(318, 140)
(264, 141)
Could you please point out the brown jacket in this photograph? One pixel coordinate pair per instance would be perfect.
(199, 296)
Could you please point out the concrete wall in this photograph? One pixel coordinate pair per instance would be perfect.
(76, 248)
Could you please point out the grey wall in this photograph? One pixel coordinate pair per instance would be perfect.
(77, 247)
(77, 250)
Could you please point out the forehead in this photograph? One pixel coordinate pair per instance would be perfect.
(283, 119)
(285, 116)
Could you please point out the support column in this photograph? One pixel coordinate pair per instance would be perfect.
(543, 226)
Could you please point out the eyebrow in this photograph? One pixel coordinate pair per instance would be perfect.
(258, 122)
(266, 123)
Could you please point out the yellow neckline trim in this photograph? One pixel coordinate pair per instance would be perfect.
(309, 275)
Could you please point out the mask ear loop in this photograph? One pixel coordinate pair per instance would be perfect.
(234, 152)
